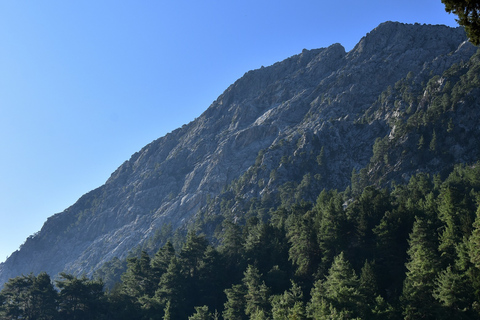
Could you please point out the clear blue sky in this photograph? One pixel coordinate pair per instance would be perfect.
(85, 84)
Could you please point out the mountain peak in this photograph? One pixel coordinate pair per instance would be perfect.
(400, 37)
(297, 123)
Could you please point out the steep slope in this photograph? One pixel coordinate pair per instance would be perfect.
(301, 120)
(431, 126)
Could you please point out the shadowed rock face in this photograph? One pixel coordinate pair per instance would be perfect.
(290, 109)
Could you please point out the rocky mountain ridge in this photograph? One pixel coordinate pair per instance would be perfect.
(306, 120)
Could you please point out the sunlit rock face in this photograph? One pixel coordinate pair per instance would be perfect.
(302, 120)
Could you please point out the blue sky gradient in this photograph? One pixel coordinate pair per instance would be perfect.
(83, 85)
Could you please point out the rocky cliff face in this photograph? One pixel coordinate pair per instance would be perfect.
(310, 120)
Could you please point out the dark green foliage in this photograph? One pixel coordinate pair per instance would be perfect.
(290, 305)
(454, 293)
(266, 247)
(257, 293)
(368, 285)
(201, 313)
(304, 250)
(331, 226)
(474, 242)
(425, 132)
(192, 253)
(172, 291)
(340, 291)
(44, 297)
(390, 253)
(232, 248)
(211, 280)
(235, 304)
(139, 280)
(80, 298)
(410, 252)
(161, 260)
(29, 297)
(422, 269)
(110, 272)
(468, 13)
(365, 214)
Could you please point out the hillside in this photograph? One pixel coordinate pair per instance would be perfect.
(402, 101)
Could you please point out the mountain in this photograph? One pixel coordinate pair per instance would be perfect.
(402, 101)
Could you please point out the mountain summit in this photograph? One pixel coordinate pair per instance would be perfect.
(282, 132)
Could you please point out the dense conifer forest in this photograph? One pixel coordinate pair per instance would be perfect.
(410, 251)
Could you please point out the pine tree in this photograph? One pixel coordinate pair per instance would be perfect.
(422, 268)
(289, 305)
(265, 246)
(391, 247)
(167, 311)
(468, 13)
(338, 294)
(161, 260)
(192, 253)
(139, 279)
(80, 298)
(44, 298)
(15, 297)
(449, 236)
(342, 285)
(368, 284)
(303, 250)
(191, 260)
(366, 213)
(232, 250)
(330, 223)
(211, 279)
(201, 313)
(474, 242)
(234, 307)
(453, 292)
(29, 297)
(256, 297)
(382, 310)
(171, 291)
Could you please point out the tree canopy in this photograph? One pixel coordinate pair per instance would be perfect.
(408, 252)
(468, 12)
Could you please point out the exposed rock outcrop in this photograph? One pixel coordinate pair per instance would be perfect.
(285, 113)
